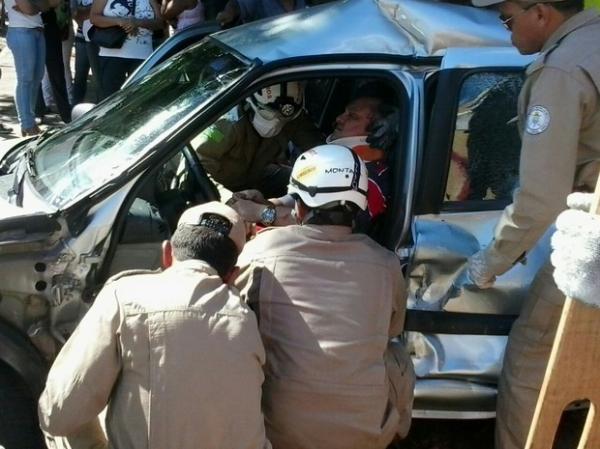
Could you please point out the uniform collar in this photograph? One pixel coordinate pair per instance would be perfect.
(577, 21)
(194, 265)
(327, 232)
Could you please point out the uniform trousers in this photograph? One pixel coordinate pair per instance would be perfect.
(527, 354)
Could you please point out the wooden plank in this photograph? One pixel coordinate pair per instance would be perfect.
(572, 372)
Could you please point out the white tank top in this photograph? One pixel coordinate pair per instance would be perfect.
(19, 20)
(134, 47)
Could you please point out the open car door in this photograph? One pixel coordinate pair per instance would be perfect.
(470, 166)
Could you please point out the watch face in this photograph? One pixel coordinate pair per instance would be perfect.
(268, 216)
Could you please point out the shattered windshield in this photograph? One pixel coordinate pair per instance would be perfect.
(110, 138)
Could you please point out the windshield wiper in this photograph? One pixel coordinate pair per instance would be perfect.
(30, 161)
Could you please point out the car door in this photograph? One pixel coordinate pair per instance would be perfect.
(469, 169)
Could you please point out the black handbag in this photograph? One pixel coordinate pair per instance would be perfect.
(110, 37)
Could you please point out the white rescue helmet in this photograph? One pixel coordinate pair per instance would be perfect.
(284, 100)
(274, 106)
(329, 175)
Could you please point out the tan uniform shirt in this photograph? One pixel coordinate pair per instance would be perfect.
(176, 355)
(235, 155)
(559, 112)
(328, 302)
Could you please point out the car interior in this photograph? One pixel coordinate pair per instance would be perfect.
(160, 196)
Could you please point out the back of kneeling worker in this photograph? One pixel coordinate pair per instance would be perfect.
(176, 355)
(328, 301)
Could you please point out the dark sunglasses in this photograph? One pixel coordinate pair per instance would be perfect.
(507, 21)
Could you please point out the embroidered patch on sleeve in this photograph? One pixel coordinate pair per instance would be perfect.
(538, 120)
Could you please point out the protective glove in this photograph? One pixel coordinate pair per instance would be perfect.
(478, 272)
(576, 251)
(385, 131)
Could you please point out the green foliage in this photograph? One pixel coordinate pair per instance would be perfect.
(592, 3)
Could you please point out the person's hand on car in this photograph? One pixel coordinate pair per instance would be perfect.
(576, 251)
(478, 272)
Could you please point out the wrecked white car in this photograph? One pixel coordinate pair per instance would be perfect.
(98, 196)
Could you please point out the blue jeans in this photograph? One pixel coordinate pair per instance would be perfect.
(29, 52)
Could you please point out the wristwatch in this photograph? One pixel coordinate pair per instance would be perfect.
(268, 215)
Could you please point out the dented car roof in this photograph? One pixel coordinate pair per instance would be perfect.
(418, 28)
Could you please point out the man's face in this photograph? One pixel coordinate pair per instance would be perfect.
(526, 24)
(356, 119)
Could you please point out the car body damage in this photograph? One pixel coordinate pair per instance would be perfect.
(100, 195)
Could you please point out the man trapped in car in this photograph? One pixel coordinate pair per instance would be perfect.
(363, 126)
(328, 301)
(559, 115)
(175, 354)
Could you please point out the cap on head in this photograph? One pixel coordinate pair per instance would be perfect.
(329, 174)
(218, 217)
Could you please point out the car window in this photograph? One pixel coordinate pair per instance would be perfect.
(484, 161)
(113, 136)
(152, 216)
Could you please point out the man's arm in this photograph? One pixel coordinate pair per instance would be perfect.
(32, 8)
(230, 13)
(547, 170)
(251, 208)
(215, 142)
(84, 373)
(172, 8)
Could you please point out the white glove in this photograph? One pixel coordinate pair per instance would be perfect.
(478, 272)
(576, 251)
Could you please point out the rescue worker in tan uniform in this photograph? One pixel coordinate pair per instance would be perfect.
(559, 116)
(328, 302)
(175, 354)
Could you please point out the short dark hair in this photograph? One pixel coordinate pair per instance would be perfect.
(336, 215)
(375, 89)
(201, 243)
(568, 6)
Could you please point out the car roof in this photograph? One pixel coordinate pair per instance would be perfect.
(418, 28)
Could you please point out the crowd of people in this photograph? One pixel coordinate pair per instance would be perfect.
(41, 36)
